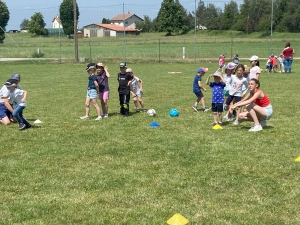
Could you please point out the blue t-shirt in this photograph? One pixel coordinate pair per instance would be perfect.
(196, 87)
(91, 84)
(217, 92)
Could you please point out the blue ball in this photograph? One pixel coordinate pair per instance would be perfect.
(174, 112)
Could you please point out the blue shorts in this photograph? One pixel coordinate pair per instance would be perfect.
(92, 93)
(269, 111)
(4, 112)
(231, 97)
(217, 107)
(199, 94)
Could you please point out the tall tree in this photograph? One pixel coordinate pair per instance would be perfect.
(37, 25)
(146, 25)
(202, 15)
(67, 16)
(214, 18)
(230, 14)
(172, 18)
(24, 24)
(4, 18)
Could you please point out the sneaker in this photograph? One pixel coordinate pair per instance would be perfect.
(99, 118)
(22, 126)
(228, 118)
(144, 110)
(28, 126)
(236, 122)
(105, 116)
(205, 109)
(214, 123)
(263, 123)
(84, 117)
(137, 110)
(195, 108)
(220, 123)
(255, 128)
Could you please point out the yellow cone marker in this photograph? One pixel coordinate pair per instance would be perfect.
(298, 159)
(217, 127)
(177, 219)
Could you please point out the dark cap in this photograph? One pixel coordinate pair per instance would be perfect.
(16, 76)
(123, 64)
(90, 66)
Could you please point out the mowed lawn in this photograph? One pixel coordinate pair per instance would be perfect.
(121, 171)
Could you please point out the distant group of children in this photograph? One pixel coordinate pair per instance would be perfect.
(98, 87)
(13, 102)
(237, 87)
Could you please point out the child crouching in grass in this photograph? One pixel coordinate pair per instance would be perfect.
(217, 96)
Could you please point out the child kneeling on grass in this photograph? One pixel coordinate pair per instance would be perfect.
(18, 98)
(217, 96)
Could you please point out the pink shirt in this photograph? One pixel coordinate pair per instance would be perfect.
(253, 71)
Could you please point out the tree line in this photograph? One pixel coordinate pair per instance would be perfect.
(173, 18)
(250, 16)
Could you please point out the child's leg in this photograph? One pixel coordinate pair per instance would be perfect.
(215, 117)
(104, 106)
(141, 102)
(135, 102)
(96, 106)
(220, 117)
(87, 106)
(21, 116)
(202, 102)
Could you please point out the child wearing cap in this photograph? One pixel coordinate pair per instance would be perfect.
(18, 97)
(92, 91)
(136, 90)
(255, 70)
(102, 79)
(124, 80)
(217, 96)
(197, 87)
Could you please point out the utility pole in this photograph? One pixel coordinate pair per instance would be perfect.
(75, 30)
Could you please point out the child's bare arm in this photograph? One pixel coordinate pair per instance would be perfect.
(207, 80)
(200, 85)
(24, 96)
(96, 85)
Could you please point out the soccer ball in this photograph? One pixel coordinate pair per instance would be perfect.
(174, 112)
(151, 112)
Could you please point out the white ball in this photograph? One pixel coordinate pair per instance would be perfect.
(151, 112)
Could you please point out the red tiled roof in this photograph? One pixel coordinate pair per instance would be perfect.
(115, 27)
(122, 16)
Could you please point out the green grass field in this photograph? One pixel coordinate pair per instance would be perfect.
(152, 47)
(121, 171)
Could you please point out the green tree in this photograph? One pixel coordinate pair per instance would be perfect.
(172, 18)
(146, 25)
(67, 16)
(105, 21)
(37, 25)
(24, 24)
(202, 15)
(215, 18)
(230, 15)
(4, 18)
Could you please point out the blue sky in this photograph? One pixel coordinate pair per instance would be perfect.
(91, 11)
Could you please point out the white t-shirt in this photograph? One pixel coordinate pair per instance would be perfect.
(16, 96)
(253, 71)
(135, 85)
(4, 92)
(237, 83)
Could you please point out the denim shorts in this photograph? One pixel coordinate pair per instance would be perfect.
(92, 93)
(4, 112)
(269, 111)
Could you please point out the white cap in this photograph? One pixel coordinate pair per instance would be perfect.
(254, 58)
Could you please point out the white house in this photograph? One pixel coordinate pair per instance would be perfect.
(129, 20)
(56, 22)
(107, 30)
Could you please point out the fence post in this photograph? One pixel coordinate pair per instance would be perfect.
(90, 51)
(158, 50)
